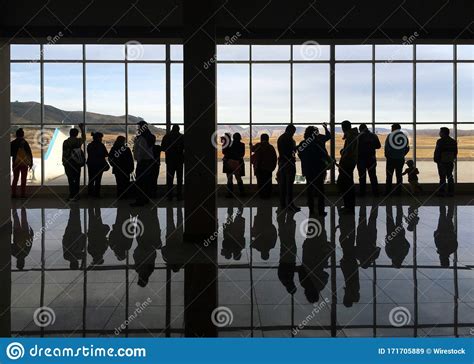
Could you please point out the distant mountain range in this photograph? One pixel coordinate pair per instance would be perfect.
(30, 113)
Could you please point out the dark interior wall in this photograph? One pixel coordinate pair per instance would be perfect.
(275, 20)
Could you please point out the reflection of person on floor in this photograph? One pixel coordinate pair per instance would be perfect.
(172, 251)
(148, 235)
(445, 236)
(412, 219)
(97, 236)
(74, 240)
(367, 250)
(22, 238)
(264, 233)
(119, 241)
(396, 245)
(349, 265)
(234, 234)
(287, 265)
(316, 252)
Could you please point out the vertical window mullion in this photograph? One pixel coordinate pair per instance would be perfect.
(332, 107)
(42, 142)
(455, 104)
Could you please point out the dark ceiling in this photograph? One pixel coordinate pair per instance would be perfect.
(265, 20)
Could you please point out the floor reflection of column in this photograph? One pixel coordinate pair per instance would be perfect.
(5, 281)
(333, 272)
(415, 283)
(456, 286)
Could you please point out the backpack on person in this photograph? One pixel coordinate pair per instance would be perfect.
(78, 157)
(22, 158)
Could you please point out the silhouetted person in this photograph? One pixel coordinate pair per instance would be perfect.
(445, 154)
(22, 160)
(314, 157)
(367, 250)
(316, 252)
(412, 172)
(144, 155)
(97, 236)
(73, 160)
(287, 264)
(172, 252)
(234, 234)
(96, 163)
(74, 240)
(233, 165)
(22, 235)
(287, 167)
(121, 160)
(445, 237)
(264, 233)
(148, 235)
(396, 245)
(119, 240)
(173, 146)
(155, 170)
(349, 265)
(366, 160)
(347, 164)
(264, 160)
(395, 149)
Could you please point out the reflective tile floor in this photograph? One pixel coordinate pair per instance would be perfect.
(393, 269)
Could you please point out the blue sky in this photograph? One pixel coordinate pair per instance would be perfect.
(105, 83)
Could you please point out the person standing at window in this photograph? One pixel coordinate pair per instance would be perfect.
(445, 154)
(73, 160)
(121, 160)
(96, 163)
(22, 160)
(287, 168)
(173, 146)
(396, 148)
(347, 164)
(264, 160)
(143, 153)
(234, 153)
(367, 161)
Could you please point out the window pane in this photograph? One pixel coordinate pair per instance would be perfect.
(147, 92)
(24, 51)
(271, 52)
(426, 137)
(233, 52)
(25, 93)
(434, 52)
(33, 137)
(177, 102)
(310, 51)
(434, 92)
(353, 52)
(465, 52)
(465, 92)
(244, 131)
(465, 161)
(105, 93)
(105, 52)
(271, 93)
(354, 92)
(62, 52)
(393, 92)
(233, 93)
(176, 52)
(310, 93)
(145, 52)
(394, 52)
(63, 93)
(53, 138)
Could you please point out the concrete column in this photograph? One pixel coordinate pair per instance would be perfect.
(5, 202)
(200, 287)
